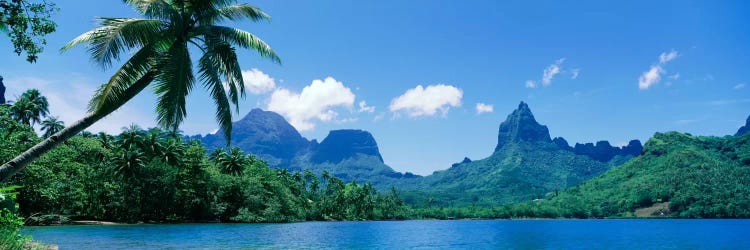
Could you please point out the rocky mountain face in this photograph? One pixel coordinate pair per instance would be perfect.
(2, 91)
(520, 126)
(263, 133)
(348, 154)
(744, 129)
(601, 151)
(343, 144)
(525, 165)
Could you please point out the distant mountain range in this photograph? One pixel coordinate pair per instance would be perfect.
(348, 154)
(526, 163)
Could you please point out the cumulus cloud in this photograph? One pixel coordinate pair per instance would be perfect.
(739, 86)
(666, 57)
(258, 82)
(364, 108)
(316, 102)
(530, 84)
(654, 74)
(69, 101)
(484, 108)
(551, 71)
(421, 101)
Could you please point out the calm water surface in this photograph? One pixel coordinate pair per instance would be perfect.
(487, 234)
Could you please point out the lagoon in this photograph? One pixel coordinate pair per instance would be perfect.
(458, 234)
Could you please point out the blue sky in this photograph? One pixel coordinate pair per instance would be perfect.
(600, 71)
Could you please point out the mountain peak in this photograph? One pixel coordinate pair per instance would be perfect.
(346, 143)
(265, 134)
(521, 126)
(2, 91)
(744, 129)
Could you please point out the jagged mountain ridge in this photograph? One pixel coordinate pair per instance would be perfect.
(526, 164)
(348, 154)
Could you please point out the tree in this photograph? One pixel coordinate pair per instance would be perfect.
(30, 107)
(160, 56)
(26, 22)
(233, 162)
(51, 126)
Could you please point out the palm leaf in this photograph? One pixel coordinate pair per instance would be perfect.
(158, 9)
(238, 12)
(117, 35)
(111, 93)
(175, 80)
(243, 39)
(208, 68)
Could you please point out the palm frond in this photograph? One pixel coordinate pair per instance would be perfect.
(111, 94)
(157, 9)
(175, 80)
(209, 67)
(117, 35)
(243, 39)
(238, 12)
(230, 67)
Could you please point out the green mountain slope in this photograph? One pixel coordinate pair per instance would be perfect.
(526, 165)
(677, 174)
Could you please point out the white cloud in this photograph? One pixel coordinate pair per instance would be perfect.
(675, 76)
(421, 101)
(551, 71)
(654, 74)
(364, 108)
(739, 86)
(258, 82)
(666, 57)
(315, 103)
(530, 84)
(484, 108)
(69, 101)
(650, 77)
(574, 73)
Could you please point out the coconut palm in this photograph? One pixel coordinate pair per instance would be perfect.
(30, 107)
(51, 126)
(128, 163)
(161, 57)
(232, 162)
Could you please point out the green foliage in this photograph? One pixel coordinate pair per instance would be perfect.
(52, 125)
(10, 222)
(26, 22)
(678, 175)
(519, 171)
(153, 176)
(30, 107)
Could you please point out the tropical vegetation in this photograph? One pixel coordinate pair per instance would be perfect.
(160, 43)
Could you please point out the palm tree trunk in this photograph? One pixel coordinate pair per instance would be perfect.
(14, 166)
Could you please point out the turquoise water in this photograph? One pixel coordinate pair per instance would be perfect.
(474, 234)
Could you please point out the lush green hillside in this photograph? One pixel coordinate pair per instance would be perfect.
(678, 175)
(526, 165)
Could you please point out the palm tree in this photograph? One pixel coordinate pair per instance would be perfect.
(129, 162)
(161, 56)
(233, 162)
(51, 126)
(30, 107)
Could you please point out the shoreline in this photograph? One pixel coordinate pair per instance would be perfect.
(111, 223)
